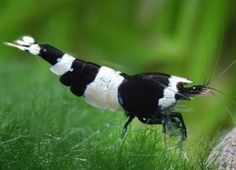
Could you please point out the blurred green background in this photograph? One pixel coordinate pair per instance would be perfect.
(188, 38)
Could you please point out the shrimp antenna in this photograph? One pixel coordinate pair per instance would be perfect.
(224, 94)
(227, 110)
(216, 90)
(211, 75)
(226, 69)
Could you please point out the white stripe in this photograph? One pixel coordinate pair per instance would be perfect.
(103, 91)
(175, 80)
(170, 91)
(63, 66)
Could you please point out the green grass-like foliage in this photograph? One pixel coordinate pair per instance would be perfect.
(43, 126)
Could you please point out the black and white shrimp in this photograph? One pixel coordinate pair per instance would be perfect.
(150, 97)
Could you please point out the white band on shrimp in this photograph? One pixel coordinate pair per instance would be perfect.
(63, 65)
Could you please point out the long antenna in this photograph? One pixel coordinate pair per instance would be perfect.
(226, 69)
(218, 56)
(224, 94)
(227, 109)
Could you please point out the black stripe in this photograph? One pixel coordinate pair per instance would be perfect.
(139, 94)
(83, 78)
(82, 74)
(50, 53)
(77, 69)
